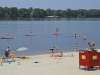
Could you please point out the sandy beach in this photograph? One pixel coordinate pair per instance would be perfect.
(46, 65)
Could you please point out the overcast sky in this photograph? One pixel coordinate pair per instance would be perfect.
(54, 4)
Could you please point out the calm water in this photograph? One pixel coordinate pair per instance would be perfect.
(43, 39)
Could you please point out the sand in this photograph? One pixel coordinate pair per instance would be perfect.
(46, 65)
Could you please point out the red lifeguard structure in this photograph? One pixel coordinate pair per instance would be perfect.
(89, 59)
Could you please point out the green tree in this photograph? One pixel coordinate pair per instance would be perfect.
(13, 13)
(38, 13)
(1, 13)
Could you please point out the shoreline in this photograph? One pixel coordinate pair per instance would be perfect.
(41, 53)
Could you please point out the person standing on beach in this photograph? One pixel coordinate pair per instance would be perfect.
(7, 52)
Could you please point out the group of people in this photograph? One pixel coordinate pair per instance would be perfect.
(8, 55)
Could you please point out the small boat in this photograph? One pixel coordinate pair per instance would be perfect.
(6, 37)
(28, 35)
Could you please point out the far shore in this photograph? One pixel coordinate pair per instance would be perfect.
(53, 19)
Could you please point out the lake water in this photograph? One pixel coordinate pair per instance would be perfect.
(42, 38)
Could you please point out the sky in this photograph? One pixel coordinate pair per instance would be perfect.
(53, 4)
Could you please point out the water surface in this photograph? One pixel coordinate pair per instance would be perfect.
(42, 38)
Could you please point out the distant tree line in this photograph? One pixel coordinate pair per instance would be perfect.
(14, 13)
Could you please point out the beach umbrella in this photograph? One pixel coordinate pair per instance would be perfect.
(22, 49)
